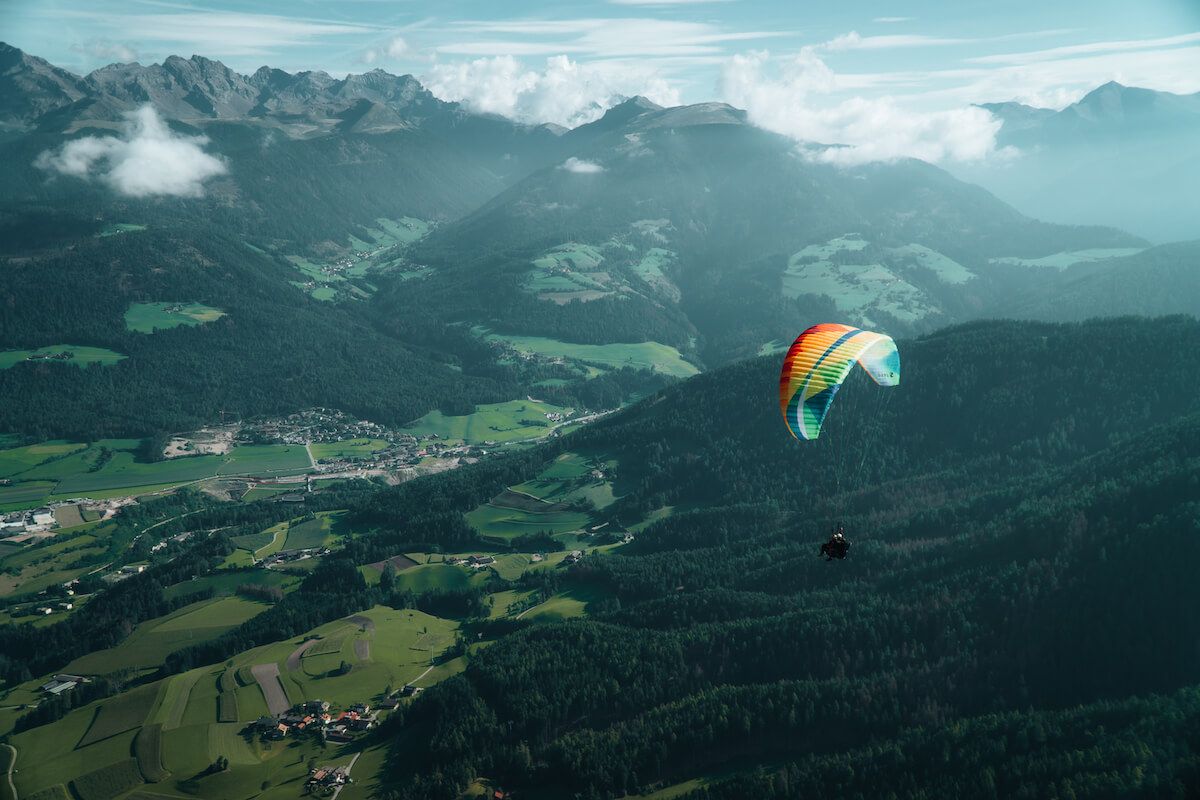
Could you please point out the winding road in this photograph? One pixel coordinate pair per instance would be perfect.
(12, 787)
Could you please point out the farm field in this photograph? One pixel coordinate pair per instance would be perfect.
(264, 492)
(151, 317)
(948, 270)
(153, 640)
(177, 718)
(503, 522)
(351, 448)
(31, 569)
(317, 532)
(642, 355)
(862, 287)
(496, 422)
(81, 355)
(107, 468)
(548, 502)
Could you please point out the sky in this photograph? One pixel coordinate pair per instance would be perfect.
(887, 77)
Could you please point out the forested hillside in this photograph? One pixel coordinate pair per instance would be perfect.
(1004, 566)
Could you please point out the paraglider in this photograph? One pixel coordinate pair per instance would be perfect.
(816, 365)
(814, 369)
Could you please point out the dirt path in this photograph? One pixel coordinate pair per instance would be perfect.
(422, 675)
(293, 661)
(362, 649)
(362, 622)
(312, 462)
(268, 679)
(12, 787)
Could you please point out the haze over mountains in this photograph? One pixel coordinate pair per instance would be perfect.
(684, 229)
(1120, 156)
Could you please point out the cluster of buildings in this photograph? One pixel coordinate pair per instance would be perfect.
(320, 425)
(37, 520)
(60, 684)
(475, 562)
(32, 525)
(315, 716)
(327, 779)
(291, 556)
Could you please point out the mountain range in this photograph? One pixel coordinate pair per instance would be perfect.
(526, 257)
(1121, 156)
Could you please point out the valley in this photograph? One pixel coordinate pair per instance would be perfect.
(406, 449)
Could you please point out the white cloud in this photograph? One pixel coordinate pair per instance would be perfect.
(852, 41)
(564, 92)
(600, 37)
(777, 95)
(580, 166)
(1087, 49)
(394, 48)
(105, 50)
(397, 47)
(219, 33)
(148, 159)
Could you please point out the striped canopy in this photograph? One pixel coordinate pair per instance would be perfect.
(816, 365)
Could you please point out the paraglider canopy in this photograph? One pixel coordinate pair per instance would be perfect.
(819, 361)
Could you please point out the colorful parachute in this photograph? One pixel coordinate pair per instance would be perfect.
(817, 363)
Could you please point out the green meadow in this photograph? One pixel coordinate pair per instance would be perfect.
(152, 641)
(351, 448)
(1064, 260)
(108, 468)
(641, 355)
(31, 569)
(151, 317)
(497, 422)
(81, 356)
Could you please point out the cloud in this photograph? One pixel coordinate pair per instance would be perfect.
(580, 166)
(148, 159)
(852, 41)
(564, 91)
(103, 49)
(219, 33)
(394, 48)
(600, 37)
(1086, 49)
(777, 95)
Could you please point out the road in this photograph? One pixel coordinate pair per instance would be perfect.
(12, 787)
(349, 767)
